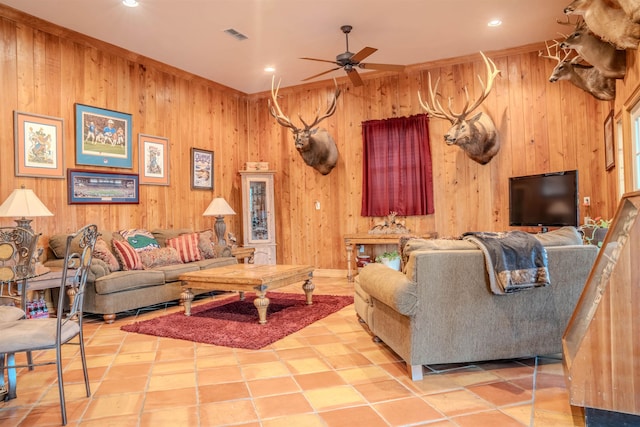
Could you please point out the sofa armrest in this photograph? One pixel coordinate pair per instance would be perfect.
(390, 287)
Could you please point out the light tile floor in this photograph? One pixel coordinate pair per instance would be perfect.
(329, 374)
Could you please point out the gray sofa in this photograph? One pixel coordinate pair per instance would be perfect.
(440, 309)
(110, 290)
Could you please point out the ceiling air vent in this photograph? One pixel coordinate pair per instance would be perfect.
(236, 34)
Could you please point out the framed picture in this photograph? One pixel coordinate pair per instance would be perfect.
(39, 144)
(153, 160)
(103, 137)
(609, 151)
(201, 169)
(91, 187)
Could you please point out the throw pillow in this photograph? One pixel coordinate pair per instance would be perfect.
(101, 251)
(205, 244)
(560, 237)
(128, 257)
(159, 257)
(139, 239)
(187, 247)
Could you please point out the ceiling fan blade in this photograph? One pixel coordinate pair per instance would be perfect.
(321, 74)
(364, 52)
(320, 60)
(355, 77)
(382, 67)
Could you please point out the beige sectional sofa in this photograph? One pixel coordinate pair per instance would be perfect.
(111, 288)
(440, 309)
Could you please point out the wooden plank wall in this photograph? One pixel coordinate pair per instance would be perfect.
(46, 69)
(544, 127)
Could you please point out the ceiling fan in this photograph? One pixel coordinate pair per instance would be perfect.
(349, 61)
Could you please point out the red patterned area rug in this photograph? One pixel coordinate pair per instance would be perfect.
(233, 323)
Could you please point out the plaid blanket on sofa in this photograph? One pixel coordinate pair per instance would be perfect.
(515, 260)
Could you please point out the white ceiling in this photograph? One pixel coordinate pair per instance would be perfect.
(188, 34)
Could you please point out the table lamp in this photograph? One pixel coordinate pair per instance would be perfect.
(23, 202)
(219, 208)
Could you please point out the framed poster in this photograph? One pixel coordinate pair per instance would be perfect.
(153, 160)
(39, 145)
(103, 137)
(609, 154)
(91, 187)
(201, 169)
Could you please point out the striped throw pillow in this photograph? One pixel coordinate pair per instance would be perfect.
(128, 257)
(187, 247)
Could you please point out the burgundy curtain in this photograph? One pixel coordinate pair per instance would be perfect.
(397, 167)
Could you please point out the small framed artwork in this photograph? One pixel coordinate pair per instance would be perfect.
(609, 150)
(103, 137)
(153, 160)
(201, 169)
(91, 187)
(39, 145)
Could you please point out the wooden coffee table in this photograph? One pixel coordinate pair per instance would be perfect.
(247, 277)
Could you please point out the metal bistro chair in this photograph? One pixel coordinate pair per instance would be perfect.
(17, 248)
(52, 333)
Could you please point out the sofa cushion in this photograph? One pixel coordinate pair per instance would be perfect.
(418, 244)
(128, 257)
(173, 272)
(204, 264)
(119, 281)
(205, 244)
(58, 244)
(139, 239)
(159, 257)
(402, 296)
(162, 234)
(103, 252)
(564, 236)
(187, 247)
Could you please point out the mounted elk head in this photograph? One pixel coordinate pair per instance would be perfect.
(476, 135)
(604, 56)
(608, 21)
(587, 78)
(316, 146)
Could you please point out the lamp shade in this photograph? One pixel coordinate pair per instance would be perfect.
(218, 207)
(23, 202)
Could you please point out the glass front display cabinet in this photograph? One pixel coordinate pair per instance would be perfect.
(258, 215)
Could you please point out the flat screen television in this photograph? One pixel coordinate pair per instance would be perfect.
(545, 200)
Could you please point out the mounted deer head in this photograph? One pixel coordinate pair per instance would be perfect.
(587, 78)
(477, 135)
(604, 56)
(608, 21)
(316, 146)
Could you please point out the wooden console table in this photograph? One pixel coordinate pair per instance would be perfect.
(375, 239)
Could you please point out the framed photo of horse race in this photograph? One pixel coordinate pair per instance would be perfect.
(39, 145)
(201, 169)
(153, 160)
(103, 137)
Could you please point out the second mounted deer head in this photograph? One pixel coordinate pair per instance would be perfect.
(476, 135)
(316, 146)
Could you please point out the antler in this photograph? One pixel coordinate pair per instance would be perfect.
(555, 56)
(438, 111)
(283, 120)
(275, 110)
(329, 111)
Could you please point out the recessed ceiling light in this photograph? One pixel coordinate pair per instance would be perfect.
(494, 23)
(130, 3)
(269, 69)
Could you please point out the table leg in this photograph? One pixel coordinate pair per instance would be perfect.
(349, 260)
(308, 288)
(261, 302)
(186, 296)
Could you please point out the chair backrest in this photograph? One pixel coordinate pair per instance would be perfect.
(78, 264)
(17, 261)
